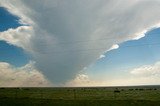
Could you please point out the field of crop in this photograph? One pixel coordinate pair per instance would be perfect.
(91, 96)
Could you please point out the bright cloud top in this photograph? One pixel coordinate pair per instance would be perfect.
(68, 35)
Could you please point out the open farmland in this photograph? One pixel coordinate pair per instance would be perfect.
(87, 96)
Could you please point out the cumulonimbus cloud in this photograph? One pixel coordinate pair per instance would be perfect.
(69, 35)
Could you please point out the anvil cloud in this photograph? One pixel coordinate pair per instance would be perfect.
(68, 35)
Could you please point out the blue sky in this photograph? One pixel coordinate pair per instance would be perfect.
(8, 20)
(129, 55)
(9, 53)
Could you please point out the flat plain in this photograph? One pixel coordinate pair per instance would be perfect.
(81, 96)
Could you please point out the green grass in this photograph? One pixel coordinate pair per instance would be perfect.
(106, 96)
(47, 102)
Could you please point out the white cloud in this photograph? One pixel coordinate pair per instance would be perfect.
(17, 11)
(140, 35)
(19, 37)
(83, 80)
(70, 35)
(102, 56)
(115, 46)
(26, 76)
(147, 70)
(144, 75)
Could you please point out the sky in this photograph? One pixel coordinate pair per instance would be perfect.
(144, 51)
(79, 43)
(10, 53)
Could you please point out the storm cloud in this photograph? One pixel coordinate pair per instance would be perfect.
(68, 35)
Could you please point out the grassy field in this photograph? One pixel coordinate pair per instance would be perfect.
(94, 96)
